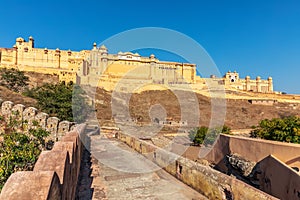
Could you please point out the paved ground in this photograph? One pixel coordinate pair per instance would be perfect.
(101, 181)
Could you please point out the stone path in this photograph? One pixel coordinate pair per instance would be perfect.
(84, 189)
(117, 178)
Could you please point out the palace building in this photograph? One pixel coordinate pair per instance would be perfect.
(97, 67)
(101, 67)
(24, 56)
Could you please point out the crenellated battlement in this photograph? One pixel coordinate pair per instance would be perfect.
(55, 173)
(19, 112)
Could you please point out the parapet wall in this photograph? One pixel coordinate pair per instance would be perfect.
(254, 150)
(278, 179)
(273, 172)
(55, 174)
(211, 183)
(56, 127)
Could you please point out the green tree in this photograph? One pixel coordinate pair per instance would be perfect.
(286, 129)
(13, 79)
(226, 130)
(61, 100)
(197, 135)
(80, 108)
(206, 136)
(19, 150)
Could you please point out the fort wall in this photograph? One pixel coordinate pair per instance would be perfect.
(278, 179)
(254, 150)
(273, 172)
(98, 68)
(55, 173)
(24, 56)
(232, 80)
(57, 128)
(211, 183)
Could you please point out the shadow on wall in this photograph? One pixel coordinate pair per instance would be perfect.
(84, 188)
(292, 161)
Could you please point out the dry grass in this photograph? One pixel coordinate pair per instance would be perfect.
(239, 112)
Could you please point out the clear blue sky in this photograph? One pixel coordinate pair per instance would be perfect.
(252, 37)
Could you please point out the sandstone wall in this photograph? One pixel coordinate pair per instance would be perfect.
(278, 179)
(211, 183)
(25, 57)
(55, 174)
(19, 112)
(272, 173)
(254, 150)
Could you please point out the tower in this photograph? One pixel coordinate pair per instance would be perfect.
(270, 84)
(232, 77)
(152, 66)
(31, 42)
(258, 84)
(248, 87)
(104, 58)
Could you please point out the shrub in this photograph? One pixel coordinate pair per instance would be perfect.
(206, 136)
(61, 100)
(13, 79)
(286, 129)
(19, 150)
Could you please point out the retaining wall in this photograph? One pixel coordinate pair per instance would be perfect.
(272, 172)
(211, 183)
(254, 149)
(278, 179)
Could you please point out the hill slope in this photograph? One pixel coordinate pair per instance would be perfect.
(8, 95)
(239, 112)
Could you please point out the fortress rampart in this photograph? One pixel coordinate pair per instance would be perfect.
(55, 173)
(211, 183)
(19, 112)
(24, 56)
(274, 160)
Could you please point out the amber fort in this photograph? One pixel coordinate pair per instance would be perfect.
(85, 161)
(97, 67)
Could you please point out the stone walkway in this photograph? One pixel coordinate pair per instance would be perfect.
(84, 189)
(110, 172)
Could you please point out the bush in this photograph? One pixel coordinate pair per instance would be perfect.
(285, 130)
(19, 150)
(13, 79)
(206, 136)
(197, 135)
(61, 100)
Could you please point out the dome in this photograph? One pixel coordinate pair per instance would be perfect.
(103, 47)
(152, 56)
(20, 39)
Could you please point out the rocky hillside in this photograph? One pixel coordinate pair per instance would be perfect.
(239, 112)
(8, 95)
